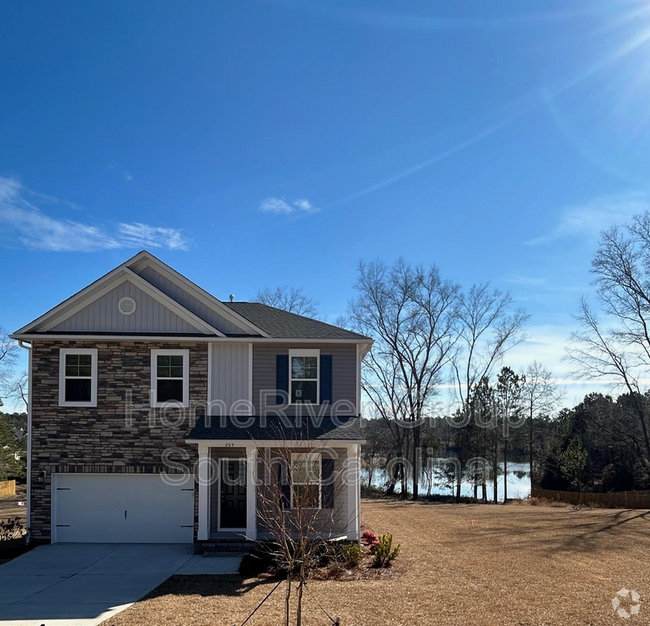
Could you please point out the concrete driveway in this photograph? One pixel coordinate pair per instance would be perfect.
(85, 584)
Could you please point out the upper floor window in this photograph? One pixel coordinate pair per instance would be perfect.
(170, 377)
(304, 376)
(78, 377)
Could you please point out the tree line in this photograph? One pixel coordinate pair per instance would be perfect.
(430, 336)
(436, 384)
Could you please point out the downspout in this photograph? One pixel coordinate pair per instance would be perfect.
(28, 346)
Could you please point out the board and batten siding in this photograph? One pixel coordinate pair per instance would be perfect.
(344, 371)
(229, 373)
(103, 315)
(191, 303)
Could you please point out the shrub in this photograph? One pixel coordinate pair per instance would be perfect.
(259, 561)
(11, 529)
(352, 554)
(369, 539)
(384, 552)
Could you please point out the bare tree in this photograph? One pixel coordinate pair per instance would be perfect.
(540, 394)
(411, 314)
(298, 508)
(619, 348)
(292, 299)
(489, 327)
(8, 357)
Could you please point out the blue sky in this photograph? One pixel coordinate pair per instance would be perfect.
(252, 144)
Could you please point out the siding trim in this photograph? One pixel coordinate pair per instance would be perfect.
(250, 373)
(63, 352)
(53, 319)
(188, 285)
(358, 379)
(176, 338)
(279, 443)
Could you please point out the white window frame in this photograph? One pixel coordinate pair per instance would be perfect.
(154, 378)
(304, 352)
(298, 457)
(63, 352)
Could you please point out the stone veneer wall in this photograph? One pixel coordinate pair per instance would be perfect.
(98, 439)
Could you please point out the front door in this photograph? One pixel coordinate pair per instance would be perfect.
(232, 509)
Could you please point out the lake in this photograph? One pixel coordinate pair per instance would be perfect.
(518, 483)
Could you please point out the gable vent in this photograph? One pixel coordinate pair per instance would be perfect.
(127, 305)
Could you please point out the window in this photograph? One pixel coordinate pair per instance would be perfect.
(78, 377)
(170, 377)
(304, 370)
(306, 480)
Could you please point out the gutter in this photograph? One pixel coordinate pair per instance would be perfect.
(195, 339)
(276, 443)
(28, 504)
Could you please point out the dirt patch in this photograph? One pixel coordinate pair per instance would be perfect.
(489, 565)
(9, 507)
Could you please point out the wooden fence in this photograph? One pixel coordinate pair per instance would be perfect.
(7, 488)
(615, 500)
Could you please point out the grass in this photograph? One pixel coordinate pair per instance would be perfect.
(461, 564)
(9, 509)
(9, 505)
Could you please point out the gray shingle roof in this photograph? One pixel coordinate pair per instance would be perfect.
(273, 428)
(284, 325)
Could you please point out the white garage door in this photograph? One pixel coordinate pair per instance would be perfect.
(126, 508)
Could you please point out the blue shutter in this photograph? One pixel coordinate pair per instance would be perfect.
(327, 476)
(326, 379)
(281, 376)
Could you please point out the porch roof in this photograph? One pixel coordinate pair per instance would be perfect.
(274, 428)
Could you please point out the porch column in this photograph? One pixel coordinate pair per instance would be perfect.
(204, 492)
(353, 487)
(251, 492)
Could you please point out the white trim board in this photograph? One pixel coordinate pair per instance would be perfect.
(176, 338)
(63, 353)
(154, 378)
(145, 259)
(276, 443)
(126, 275)
(305, 352)
(96, 290)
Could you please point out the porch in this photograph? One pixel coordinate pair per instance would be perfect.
(233, 479)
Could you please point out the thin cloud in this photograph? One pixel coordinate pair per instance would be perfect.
(305, 205)
(441, 156)
(275, 205)
(139, 235)
(590, 219)
(47, 199)
(127, 176)
(25, 225)
(525, 281)
(281, 207)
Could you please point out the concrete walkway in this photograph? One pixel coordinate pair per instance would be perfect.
(85, 584)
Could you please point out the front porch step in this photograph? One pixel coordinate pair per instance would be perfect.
(222, 548)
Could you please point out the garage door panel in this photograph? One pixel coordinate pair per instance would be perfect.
(114, 508)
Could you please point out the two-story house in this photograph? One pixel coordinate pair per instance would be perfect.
(151, 403)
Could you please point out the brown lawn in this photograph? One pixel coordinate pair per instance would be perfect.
(9, 505)
(517, 565)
